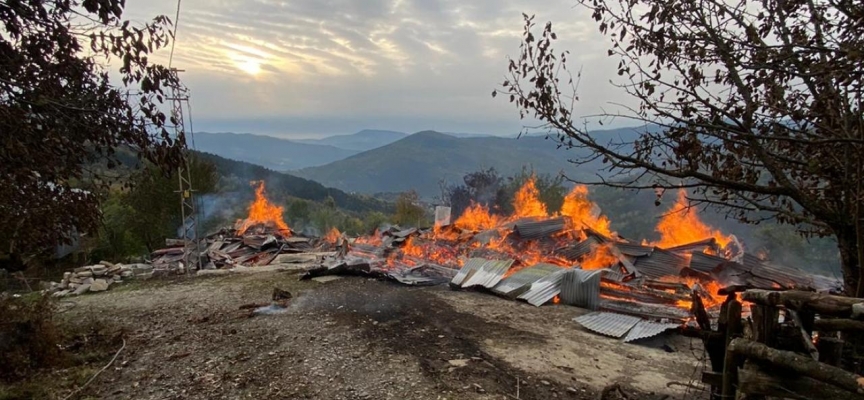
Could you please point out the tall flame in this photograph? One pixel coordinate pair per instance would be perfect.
(477, 218)
(333, 235)
(583, 211)
(600, 257)
(262, 212)
(527, 202)
(682, 226)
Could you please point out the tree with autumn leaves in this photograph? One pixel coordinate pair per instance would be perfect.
(759, 105)
(65, 124)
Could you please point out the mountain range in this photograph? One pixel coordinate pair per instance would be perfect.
(375, 161)
(364, 140)
(420, 161)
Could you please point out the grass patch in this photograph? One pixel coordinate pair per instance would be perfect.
(43, 354)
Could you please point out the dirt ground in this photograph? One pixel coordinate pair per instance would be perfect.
(357, 338)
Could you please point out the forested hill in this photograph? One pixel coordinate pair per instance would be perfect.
(281, 184)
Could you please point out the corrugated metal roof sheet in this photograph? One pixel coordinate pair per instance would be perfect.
(764, 275)
(540, 229)
(519, 282)
(614, 275)
(471, 266)
(661, 263)
(606, 323)
(634, 250)
(646, 329)
(699, 246)
(654, 311)
(702, 262)
(489, 274)
(544, 289)
(580, 249)
(581, 288)
(596, 235)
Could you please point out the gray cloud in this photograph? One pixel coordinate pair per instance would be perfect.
(312, 67)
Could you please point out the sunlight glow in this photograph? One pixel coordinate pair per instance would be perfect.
(249, 66)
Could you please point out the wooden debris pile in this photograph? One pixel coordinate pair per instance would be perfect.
(795, 344)
(226, 249)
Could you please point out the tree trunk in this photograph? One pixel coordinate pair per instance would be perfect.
(847, 241)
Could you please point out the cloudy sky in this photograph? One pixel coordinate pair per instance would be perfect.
(305, 68)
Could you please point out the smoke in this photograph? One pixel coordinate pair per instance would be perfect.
(216, 210)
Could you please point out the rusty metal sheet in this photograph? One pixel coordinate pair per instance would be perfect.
(609, 324)
(646, 329)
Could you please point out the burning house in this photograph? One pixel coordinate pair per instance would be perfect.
(637, 289)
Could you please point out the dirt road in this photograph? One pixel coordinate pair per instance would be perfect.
(356, 338)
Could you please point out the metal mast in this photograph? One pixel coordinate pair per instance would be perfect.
(189, 228)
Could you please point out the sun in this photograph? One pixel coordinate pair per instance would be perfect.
(249, 66)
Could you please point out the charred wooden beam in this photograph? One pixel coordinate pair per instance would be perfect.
(731, 360)
(800, 364)
(838, 324)
(825, 304)
(698, 309)
(755, 381)
(830, 350)
(806, 339)
(765, 323)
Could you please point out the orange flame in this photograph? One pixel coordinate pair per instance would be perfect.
(682, 226)
(527, 202)
(583, 211)
(477, 218)
(333, 235)
(600, 257)
(261, 211)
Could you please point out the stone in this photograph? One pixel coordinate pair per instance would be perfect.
(63, 285)
(81, 289)
(62, 293)
(73, 285)
(141, 267)
(126, 274)
(115, 278)
(458, 362)
(81, 269)
(67, 275)
(107, 264)
(114, 269)
(88, 281)
(326, 278)
(76, 280)
(99, 285)
(100, 270)
(84, 274)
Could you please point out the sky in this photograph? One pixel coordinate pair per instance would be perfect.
(313, 68)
